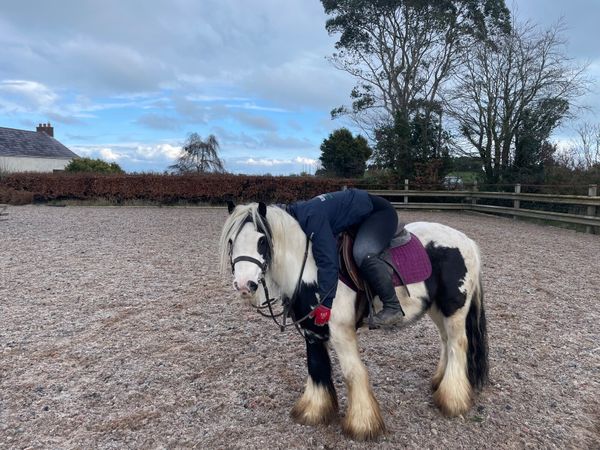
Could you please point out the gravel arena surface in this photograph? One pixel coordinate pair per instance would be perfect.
(118, 331)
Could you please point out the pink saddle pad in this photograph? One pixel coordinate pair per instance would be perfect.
(411, 262)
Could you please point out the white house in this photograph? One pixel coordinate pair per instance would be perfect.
(32, 151)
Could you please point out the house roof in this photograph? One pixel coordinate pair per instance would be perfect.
(35, 144)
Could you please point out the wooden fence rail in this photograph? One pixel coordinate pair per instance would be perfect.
(470, 198)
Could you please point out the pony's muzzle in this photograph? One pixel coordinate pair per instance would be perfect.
(246, 290)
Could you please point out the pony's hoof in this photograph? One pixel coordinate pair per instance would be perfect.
(363, 420)
(454, 404)
(369, 430)
(316, 412)
(304, 417)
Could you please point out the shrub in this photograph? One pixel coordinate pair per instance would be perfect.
(93, 165)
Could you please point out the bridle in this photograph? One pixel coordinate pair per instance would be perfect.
(263, 268)
(287, 302)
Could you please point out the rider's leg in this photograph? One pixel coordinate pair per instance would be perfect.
(374, 236)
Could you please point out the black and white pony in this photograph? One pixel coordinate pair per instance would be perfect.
(266, 243)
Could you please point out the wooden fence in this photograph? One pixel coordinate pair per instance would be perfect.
(3, 213)
(471, 200)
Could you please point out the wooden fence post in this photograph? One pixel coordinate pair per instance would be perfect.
(475, 189)
(406, 189)
(591, 210)
(517, 203)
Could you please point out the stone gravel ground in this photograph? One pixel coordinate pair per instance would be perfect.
(117, 331)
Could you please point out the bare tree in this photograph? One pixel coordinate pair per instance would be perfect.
(524, 73)
(401, 52)
(199, 156)
(586, 148)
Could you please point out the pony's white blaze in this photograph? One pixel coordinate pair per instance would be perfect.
(246, 272)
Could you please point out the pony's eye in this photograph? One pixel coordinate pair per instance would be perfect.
(262, 245)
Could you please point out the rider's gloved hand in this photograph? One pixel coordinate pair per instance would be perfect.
(321, 315)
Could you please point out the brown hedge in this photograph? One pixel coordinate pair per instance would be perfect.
(168, 189)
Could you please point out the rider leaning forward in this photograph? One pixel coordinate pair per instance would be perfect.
(323, 218)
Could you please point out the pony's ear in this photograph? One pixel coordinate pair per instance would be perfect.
(230, 206)
(262, 209)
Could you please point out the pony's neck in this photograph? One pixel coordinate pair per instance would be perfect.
(289, 246)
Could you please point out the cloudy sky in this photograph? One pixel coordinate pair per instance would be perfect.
(128, 80)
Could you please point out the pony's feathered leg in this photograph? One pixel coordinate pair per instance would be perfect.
(438, 319)
(466, 352)
(318, 404)
(454, 394)
(363, 418)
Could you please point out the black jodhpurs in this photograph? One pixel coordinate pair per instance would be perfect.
(376, 231)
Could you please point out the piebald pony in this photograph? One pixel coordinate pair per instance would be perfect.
(452, 297)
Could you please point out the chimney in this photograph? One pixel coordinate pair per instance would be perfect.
(45, 128)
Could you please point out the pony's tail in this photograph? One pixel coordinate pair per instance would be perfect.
(477, 353)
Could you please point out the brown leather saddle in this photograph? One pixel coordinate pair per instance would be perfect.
(349, 272)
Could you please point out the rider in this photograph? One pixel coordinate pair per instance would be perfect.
(323, 218)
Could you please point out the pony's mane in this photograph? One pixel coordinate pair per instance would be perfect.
(240, 216)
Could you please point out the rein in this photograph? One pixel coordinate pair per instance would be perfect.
(287, 305)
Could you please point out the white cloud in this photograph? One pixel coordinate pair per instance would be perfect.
(157, 150)
(33, 97)
(270, 162)
(28, 94)
(306, 79)
(303, 160)
(110, 155)
(266, 162)
(131, 151)
(254, 107)
(214, 98)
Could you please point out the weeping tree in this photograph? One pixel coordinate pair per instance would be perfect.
(199, 156)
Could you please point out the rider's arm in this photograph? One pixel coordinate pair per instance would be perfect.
(324, 249)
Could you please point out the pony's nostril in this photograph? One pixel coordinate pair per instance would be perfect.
(252, 286)
(236, 286)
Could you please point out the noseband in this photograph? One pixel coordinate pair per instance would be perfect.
(262, 265)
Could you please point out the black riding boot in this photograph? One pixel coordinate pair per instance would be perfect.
(376, 272)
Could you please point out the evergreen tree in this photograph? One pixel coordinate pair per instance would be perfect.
(343, 155)
(411, 148)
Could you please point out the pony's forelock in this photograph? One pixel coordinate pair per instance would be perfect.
(241, 215)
